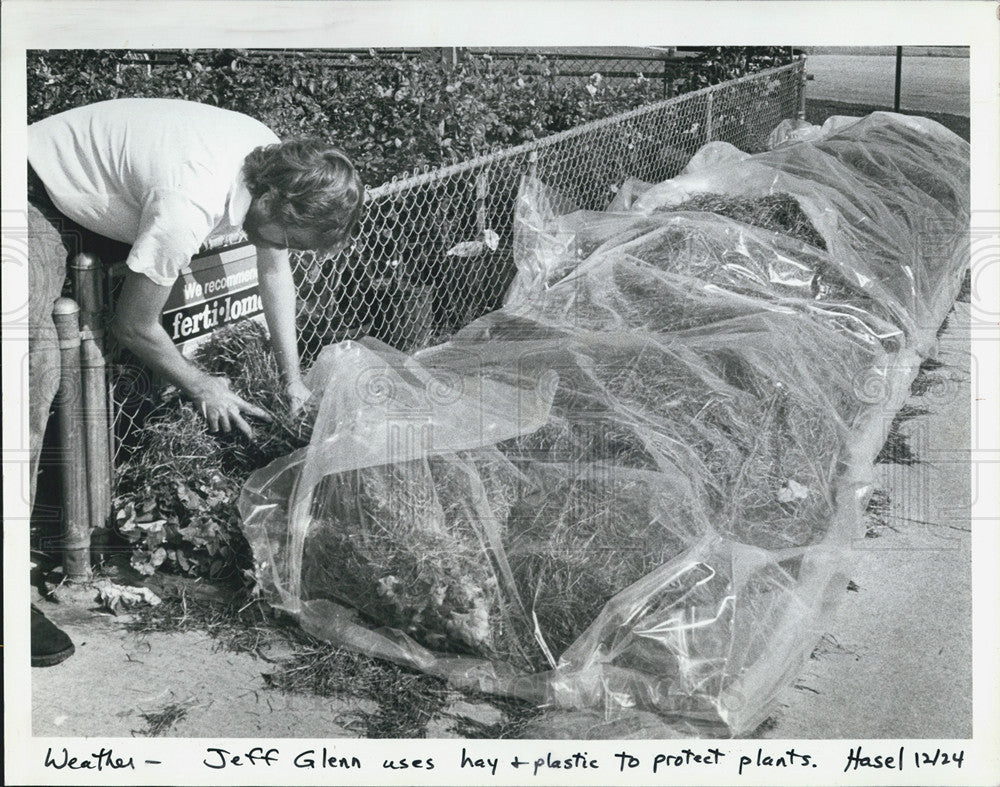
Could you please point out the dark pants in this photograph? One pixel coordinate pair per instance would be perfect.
(52, 241)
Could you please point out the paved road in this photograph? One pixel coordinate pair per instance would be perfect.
(929, 84)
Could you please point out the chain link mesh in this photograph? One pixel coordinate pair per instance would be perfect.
(435, 250)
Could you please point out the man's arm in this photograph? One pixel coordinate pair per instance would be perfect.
(277, 292)
(137, 326)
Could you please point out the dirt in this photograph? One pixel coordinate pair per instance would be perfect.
(118, 683)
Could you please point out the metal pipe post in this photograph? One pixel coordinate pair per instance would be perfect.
(709, 100)
(803, 78)
(482, 193)
(86, 273)
(899, 77)
(72, 448)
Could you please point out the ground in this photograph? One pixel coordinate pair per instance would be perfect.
(927, 84)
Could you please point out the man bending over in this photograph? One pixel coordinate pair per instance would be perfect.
(162, 176)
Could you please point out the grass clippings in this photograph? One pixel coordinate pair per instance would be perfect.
(926, 379)
(405, 700)
(241, 625)
(830, 646)
(776, 212)
(897, 449)
(877, 514)
(161, 721)
(516, 717)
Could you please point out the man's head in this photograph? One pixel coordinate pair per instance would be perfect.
(306, 195)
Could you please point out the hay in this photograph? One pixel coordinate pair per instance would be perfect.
(782, 215)
(776, 212)
(160, 722)
(646, 448)
(401, 544)
(585, 506)
(176, 492)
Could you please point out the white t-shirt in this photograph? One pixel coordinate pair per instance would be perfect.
(160, 174)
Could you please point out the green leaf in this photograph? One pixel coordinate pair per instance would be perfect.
(189, 498)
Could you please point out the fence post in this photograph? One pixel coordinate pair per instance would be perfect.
(899, 78)
(482, 193)
(710, 100)
(801, 112)
(107, 299)
(86, 273)
(449, 57)
(72, 450)
(533, 164)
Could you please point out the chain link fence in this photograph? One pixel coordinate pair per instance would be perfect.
(435, 250)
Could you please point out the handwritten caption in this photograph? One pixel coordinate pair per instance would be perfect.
(475, 760)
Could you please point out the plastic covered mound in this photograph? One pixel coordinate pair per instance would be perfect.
(632, 489)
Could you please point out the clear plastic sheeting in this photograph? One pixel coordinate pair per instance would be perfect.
(631, 491)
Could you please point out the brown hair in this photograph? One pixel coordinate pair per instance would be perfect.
(306, 184)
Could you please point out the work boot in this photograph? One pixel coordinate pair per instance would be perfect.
(49, 643)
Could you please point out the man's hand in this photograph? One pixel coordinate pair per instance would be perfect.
(137, 326)
(298, 395)
(222, 408)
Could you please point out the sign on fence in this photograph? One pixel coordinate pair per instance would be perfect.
(219, 288)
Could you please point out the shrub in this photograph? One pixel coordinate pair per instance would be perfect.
(392, 113)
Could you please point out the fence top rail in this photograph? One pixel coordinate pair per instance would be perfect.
(410, 181)
(551, 54)
(676, 55)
